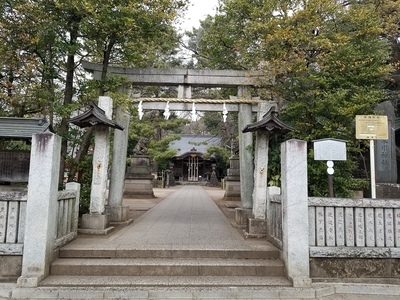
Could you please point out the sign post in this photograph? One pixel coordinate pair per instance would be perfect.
(330, 150)
(372, 127)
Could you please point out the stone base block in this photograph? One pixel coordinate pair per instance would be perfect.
(232, 190)
(387, 190)
(95, 224)
(95, 221)
(118, 213)
(354, 268)
(104, 231)
(241, 215)
(301, 282)
(29, 281)
(137, 188)
(125, 223)
(256, 228)
(11, 267)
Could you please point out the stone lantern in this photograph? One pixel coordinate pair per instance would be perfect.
(97, 221)
(264, 129)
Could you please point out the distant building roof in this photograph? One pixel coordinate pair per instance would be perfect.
(195, 143)
(22, 128)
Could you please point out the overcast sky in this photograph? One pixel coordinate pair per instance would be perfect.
(198, 10)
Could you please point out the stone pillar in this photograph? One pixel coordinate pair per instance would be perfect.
(97, 221)
(184, 91)
(256, 226)
(245, 151)
(41, 210)
(295, 211)
(260, 175)
(118, 212)
(261, 167)
(385, 150)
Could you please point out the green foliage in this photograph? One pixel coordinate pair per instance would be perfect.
(153, 134)
(159, 151)
(221, 156)
(14, 145)
(43, 43)
(323, 62)
(85, 171)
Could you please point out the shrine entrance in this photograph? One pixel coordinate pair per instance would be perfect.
(185, 79)
(193, 168)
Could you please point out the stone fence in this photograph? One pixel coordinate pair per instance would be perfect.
(12, 220)
(368, 228)
(343, 227)
(329, 237)
(67, 214)
(13, 203)
(35, 222)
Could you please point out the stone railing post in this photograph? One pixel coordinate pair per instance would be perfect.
(76, 187)
(271, 192)
(295, 212)
(41, 210)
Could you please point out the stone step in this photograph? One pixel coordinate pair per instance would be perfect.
(165, 281)
(166, 267)
(264, 253)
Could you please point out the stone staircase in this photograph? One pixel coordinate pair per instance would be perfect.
(167, 268)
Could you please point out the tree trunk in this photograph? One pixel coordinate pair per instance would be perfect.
(68, 93)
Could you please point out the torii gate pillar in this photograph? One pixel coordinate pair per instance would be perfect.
(245, 151)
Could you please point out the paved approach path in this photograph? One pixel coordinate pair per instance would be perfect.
(188, 218)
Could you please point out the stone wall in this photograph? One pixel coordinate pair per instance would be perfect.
(345, 269)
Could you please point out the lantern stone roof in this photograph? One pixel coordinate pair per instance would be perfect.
(269, 124)
(94, 116)
(22, 128)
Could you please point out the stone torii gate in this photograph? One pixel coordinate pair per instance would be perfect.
(185, 79)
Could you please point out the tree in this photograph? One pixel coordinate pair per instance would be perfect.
(152, 136)
(45, 41)
(322, 61)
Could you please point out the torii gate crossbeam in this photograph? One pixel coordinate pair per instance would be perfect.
(176, 77)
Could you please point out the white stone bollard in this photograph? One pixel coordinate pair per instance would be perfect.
(41, 210)
(295, 211)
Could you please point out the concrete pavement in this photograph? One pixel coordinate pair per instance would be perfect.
(188, 218)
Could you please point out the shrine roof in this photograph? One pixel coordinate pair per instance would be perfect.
(94, 115)
(269, 123)
(22, 128)
(191, 143)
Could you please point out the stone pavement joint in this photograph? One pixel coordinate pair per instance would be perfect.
(317, 291)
